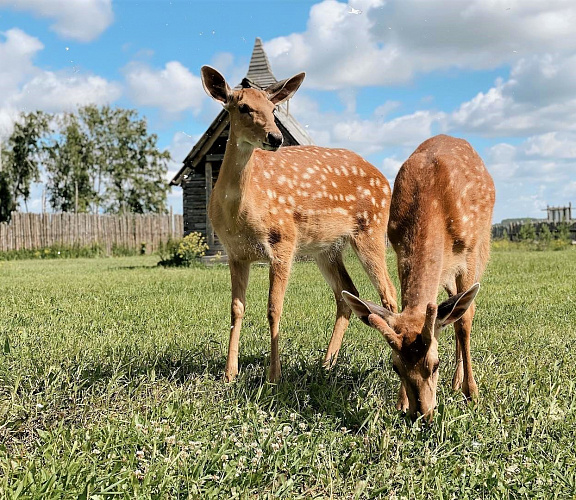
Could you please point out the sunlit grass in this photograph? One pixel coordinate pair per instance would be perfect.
(110, 383)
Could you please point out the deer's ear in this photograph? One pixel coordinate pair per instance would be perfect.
(453, 309)
(215, 84)
(364, 308)
(284, 90)
(375, 316)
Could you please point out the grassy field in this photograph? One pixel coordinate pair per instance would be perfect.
(110, 384)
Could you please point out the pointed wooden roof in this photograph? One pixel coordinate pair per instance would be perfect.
(259, 75)
(259, 71)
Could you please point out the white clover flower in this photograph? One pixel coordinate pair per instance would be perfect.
(170, 439)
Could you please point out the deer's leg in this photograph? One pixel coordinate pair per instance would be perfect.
(463, 328)
(239, 272)
(332, 268)
(279, 274)
(371, 251)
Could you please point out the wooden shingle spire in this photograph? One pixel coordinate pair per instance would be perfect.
(259, 71)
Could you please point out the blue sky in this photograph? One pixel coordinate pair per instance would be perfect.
(382, 76)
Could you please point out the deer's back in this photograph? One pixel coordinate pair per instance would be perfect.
(442, 187)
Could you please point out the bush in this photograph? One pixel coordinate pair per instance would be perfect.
(184, 252)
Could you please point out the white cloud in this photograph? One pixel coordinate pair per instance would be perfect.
(172, 89)
(55, 92)
(552, 145)
(363, 135)
(389, 42)
(25, 87)
(390, 167)
(17, 51)
(530, 175)
(539, 97)
(82, 20)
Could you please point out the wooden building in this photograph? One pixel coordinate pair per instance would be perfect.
(200, 168)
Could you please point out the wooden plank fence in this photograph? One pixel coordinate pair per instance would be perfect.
(34, 231)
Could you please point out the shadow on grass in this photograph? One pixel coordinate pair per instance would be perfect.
(346, 392)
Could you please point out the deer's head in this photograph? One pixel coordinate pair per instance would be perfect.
(413, 338)
(251, 110)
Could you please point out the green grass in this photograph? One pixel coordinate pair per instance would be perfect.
(110, 385)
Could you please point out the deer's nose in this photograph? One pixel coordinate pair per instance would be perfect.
(275, 140)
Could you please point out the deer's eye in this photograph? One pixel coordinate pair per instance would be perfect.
(435, 367)
(243, 108)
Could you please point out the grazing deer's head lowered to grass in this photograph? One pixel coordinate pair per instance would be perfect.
(271, 204)
(440, 224)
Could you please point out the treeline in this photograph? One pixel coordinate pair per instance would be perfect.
(97, 159)
(534, 235)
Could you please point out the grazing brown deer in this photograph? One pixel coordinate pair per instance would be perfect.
(271, 203)
(440, 224)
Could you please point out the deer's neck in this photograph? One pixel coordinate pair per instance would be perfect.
(420, 266)
(235, 172)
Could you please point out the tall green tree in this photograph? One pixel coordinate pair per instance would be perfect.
(68, 166)
(97, 159)
(21, 161)
(127, 170)
(6, 202)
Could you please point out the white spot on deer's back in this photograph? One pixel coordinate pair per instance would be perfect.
(266, 174)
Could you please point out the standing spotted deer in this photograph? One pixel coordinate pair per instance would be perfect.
(440, 225)
(271, 203)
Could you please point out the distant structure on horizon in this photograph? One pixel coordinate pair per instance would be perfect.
(555, 216)
(559, 214)
(202, 165)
